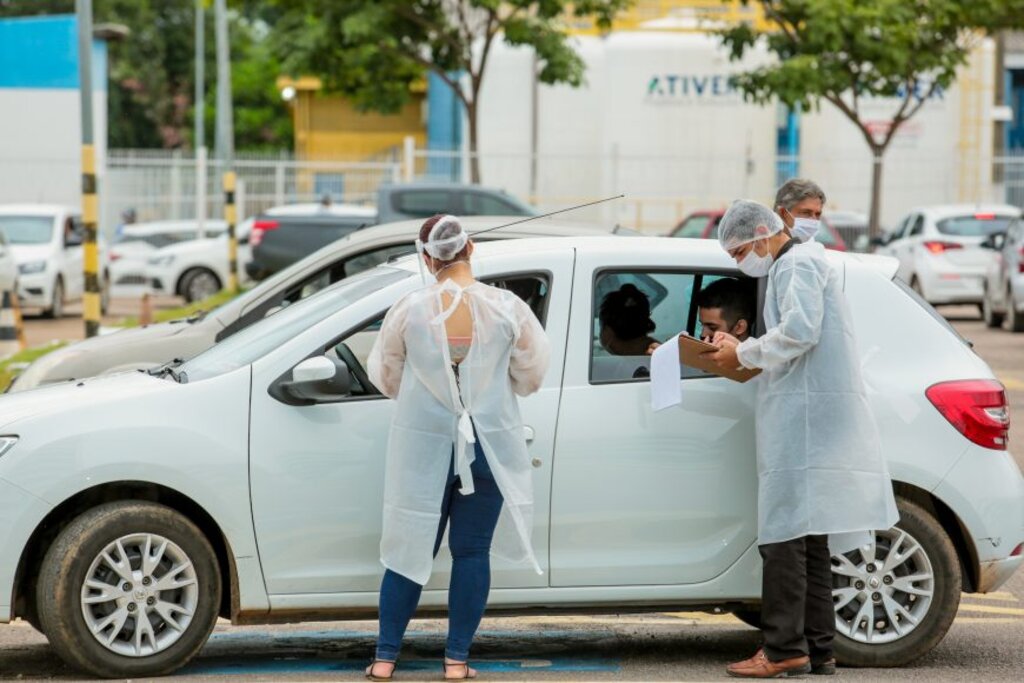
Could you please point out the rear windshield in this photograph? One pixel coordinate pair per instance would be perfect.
(974, 225)
(930, 309)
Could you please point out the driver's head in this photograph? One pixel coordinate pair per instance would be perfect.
(728, 305)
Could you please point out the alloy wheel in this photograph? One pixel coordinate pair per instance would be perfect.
(882, 591)
(202, 285)
(140, 595)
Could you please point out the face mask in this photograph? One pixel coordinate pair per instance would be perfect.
(804, 229)
(754, 265)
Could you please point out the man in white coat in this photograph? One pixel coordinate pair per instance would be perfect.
(823, 484)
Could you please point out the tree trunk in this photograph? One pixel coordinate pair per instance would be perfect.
(874, 223)
(474, 158)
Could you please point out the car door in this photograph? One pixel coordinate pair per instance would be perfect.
(643, 497)
(317, 470)
(903, 247)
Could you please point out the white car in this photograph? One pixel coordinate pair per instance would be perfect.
(8, 266)
(247, 481)
(940, 253)
(136, 243)
(47, 245)
(198, 268)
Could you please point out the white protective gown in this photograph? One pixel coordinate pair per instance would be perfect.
(819, 459)
(410, 362)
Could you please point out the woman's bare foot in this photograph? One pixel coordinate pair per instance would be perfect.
(457, 671)
(380, 670)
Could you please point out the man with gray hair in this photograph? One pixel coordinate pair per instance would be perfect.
(799, 203)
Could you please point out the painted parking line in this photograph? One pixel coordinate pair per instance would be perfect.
(249, 666)
(992, 609)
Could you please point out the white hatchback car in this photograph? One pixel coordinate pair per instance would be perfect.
(247, 482)
(940, 253)
(47, 244)
(196, 269)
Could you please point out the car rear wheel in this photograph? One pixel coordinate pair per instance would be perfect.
(896, 599)
(992, 319)
(199, 284)
(56, 309)
(1014, 319)
(129, 589)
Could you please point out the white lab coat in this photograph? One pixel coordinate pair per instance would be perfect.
(819, 457)
(410, 362)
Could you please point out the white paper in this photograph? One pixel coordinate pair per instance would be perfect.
(666, 389)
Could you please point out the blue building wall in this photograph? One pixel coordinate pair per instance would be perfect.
(42, 53)
(444, 129)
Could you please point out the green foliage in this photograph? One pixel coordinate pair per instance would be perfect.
(11, 367)
(152, 71)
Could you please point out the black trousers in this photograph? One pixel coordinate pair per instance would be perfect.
(797, 616)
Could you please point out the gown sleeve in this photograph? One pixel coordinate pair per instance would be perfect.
(800, 292)
(387, 357)
(531, 351)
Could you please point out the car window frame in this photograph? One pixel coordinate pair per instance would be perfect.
(691, 315)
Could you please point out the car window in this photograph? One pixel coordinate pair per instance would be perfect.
(692, 227)
(479, 204)
(713, 234)
(533, 288)
(422, 203)
(263, 336)
(375, 257)
(974, 225)
(27, 229)
(622, 330)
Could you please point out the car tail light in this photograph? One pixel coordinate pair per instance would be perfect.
(942, 247)
(985, 216)
(1019, 550)
(977, 408)
(258, 228)
(114, 256)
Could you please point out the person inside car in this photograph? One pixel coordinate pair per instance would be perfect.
(728, 305)
(626, 324)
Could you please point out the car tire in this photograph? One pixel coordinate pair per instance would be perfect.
(992, 319)
(106, 546)
(198, 284)
(105, 294)
(1014, 319)
(56, 309)
(933, 555)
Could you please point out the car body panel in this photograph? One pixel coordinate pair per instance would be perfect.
(1004, 279)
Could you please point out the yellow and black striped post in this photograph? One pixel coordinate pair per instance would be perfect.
(91, 307)
(230, 217)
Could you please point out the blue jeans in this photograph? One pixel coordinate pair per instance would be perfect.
(472, 520)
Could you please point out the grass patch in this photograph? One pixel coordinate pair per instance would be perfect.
(188, 311)
(12, 367)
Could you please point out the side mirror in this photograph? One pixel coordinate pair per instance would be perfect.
(314, 380)
(994, 242)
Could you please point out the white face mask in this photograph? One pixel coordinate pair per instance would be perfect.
(804, 229)
(754, 265)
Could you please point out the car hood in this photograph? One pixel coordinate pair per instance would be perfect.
(140, 347)
(27, 253)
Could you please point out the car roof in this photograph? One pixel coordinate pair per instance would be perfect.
(941, 211)
(36, 209)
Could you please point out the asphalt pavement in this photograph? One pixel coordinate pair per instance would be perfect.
(984, 644)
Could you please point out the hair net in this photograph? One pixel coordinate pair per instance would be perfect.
(747, 221)
(446, 239)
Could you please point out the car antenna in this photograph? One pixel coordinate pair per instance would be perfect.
(545, 215)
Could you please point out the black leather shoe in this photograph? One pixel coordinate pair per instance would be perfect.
(826, 668)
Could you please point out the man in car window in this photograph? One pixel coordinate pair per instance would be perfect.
(799, 203)
(626, 324)
(728, 305)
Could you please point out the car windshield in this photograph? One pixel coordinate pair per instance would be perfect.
(974, 225)
(257, 340)
(27, 229)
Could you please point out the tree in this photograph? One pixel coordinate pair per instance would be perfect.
(373, 51)
(844, 51)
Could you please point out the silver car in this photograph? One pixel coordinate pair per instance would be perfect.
(154, 345)
(1004, 282)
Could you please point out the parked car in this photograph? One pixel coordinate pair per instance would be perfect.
(287, 234)
(196, 269)
(1004, 281)
(47, 244)
(852, 226)
(8, 267)
(218, 486)
(704, 225)
(153, 345)
(138, 241)
(939, 250)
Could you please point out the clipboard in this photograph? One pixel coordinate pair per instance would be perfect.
(690, 350)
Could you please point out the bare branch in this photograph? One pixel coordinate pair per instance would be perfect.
(455, 85)
(854, 117)
(408, 13)
(905, 115)
(476, 77)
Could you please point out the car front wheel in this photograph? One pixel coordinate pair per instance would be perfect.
(992, 318)
(896, 599)
(1014, 320)
(129, 589)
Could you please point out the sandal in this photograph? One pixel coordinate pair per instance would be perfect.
(469, 675)
(374, 662)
